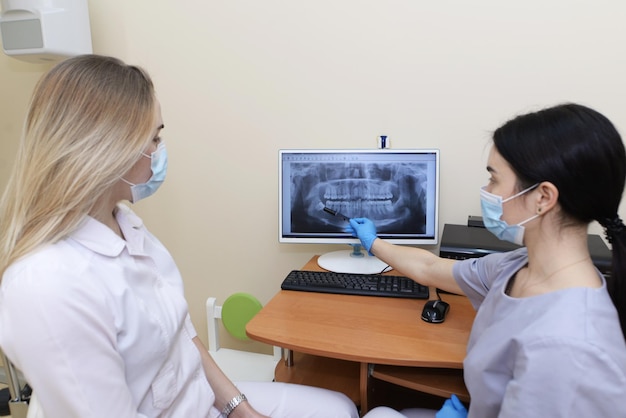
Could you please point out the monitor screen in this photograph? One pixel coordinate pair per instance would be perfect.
(398, 189)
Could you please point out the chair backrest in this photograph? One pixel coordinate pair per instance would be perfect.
(235, 313)
(238, 365)
(237, 310)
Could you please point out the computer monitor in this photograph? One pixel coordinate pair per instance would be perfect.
(319, 189)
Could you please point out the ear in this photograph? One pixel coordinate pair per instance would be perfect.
(547, 197)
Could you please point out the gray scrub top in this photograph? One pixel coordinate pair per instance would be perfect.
(560, 354)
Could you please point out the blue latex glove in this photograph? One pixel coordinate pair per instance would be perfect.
(452, 408)
(364, 230)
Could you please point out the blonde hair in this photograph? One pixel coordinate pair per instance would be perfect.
(89, 119)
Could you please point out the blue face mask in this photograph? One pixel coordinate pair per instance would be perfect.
(491, 206)
(159, 169)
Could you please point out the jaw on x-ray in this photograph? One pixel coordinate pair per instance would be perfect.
(392, 195)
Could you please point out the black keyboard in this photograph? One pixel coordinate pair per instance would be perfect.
(354, 284)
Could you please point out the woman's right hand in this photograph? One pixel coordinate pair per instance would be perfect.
(364, 229)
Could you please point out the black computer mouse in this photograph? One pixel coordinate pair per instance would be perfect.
(435, 311)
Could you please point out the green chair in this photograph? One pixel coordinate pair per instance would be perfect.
(239, 365)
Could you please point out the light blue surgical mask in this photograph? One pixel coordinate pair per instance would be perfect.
(491, 206)
(159, 169)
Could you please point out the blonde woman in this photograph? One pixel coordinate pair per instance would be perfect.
(91, 304)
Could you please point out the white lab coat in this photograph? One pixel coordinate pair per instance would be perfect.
(100, 327)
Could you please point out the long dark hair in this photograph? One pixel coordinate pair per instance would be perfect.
(582, 154)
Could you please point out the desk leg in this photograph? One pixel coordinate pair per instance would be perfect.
(288, 357)
(364, 376)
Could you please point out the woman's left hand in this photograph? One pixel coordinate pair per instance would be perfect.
(452, 408)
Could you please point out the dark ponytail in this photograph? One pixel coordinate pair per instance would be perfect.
(616, 235)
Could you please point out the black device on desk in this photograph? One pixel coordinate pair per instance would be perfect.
(460, 242)
(354, 284)
(435, 311)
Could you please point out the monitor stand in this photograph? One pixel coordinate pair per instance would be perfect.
(354, 261)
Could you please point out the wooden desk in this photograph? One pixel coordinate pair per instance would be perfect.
(369, 331)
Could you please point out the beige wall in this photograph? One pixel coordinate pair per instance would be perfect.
(239, 80)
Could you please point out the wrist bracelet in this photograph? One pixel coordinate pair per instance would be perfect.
(234, 403)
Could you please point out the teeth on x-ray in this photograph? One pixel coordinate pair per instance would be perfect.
(386, 193)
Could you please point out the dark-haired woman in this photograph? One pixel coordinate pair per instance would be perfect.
(548, 338)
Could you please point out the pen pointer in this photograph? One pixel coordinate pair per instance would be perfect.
(336, 213)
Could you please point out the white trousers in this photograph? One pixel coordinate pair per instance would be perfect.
(286, 400)
(279, 400)
(385, 412)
